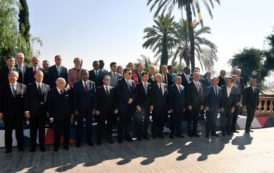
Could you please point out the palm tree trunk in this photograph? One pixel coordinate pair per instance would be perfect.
(164, 56)
(191, 35)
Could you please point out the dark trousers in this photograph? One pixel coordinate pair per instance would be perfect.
(176, 123)
(250, 117)
(80, 127)
(124, 123)
(141, 120)
(61, 125)
(226, 121)
(211, 119)
(158, 121)
(104, 126)
(192, 122)
(10, 124)
(235, 118)
(37, 123)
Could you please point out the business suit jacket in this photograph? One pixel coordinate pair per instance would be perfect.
(195, 95)
(114, 78)
(98, 80)
(185, 80)
(176, 98)
(22, 73)
(12, 107)
(222, 81)
(142, 98)
(36, 102)
(251, 98)
(59, 106)
(4, 72)
(213, 100)
(231, 101)
(29, 75)
(169, 79)
(53, 75)
(159, 98)
(105, 103)
(84, 101)
(151, 79)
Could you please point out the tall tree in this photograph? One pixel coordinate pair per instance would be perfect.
(159, 38)
(24, 25)
(191, 7)
(204, 48)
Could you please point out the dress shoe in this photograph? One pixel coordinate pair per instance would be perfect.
(146, 137)
(139, 139)
(129, 139)
(66, 147)
(235, 131)
(171, 136)
(179, 136)
(196, 135)
(161, 136)
(32, 149)
(99, 142)
(215, 135)
(251, 131)
(42, 149)
(110, 141)
(247, 132)
(21, 149)
(8, 151)
(56, 149)
(90, 144)
(77, 145)
(120, 140)
(207, 135)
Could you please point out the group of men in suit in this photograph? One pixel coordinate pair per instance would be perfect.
(78, 96)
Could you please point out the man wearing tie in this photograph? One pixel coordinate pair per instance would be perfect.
(151, 72)
(222, 78)
(167, 78)
(36, 109)
(177, 103)
(186, 79)
(12, 110)
(22, 68)
(84, 107)
(60, 109)
(4, 72)
(96, 75)
(125, 91)
(251, 101)
(29, 75)
(143, 103)
(213, 99)
(237, 108)
(159, 106)
(106, 110)
(114, 77)
(57, 71)
(195, 101)
(228, 104)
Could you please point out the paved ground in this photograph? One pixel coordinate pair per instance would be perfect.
(240, 153)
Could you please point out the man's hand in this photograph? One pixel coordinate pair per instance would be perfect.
(116, 111)
(97, 112)
(190, 107)
(51, 120)
(151, 108)
(76, 113)
(207, 108)
(47, 114)
(232, 110)
(138, 108)
(170, 111)
(202, 107)
(222, 110)
(27, 115)
(238, 103)
(1, 115)
(130, 101)
(93, 112)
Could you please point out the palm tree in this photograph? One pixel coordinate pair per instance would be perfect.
(159, 39)
(204, 48)
(192, 7)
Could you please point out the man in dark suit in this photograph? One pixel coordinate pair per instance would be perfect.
(60, 109)
(101, 66)
(36, 109)
(167, 78)
(195, 102)
(239, 80)
(12, 110)
(10, 66)
(143, 103)
(177, 104)
(213, 100)
(29, 75)
(96, 75)
(186, 79)
(125, 91)
(84, 106)
(237, 108)
(222, 78)
(106, 109)
(151, 78)
(57, 71)
(159, 105)
(251, 101)
(207, 80)
(228, 104)
(114, 77)
(22, 68)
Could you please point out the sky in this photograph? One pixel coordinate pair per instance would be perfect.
(113, 30)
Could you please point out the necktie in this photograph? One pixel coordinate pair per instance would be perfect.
(58, 71)
(160, 86)
(39, 89)
(107, 90)
(86, 86)
(13, 90)
(178, 87)
(215, 89)
(145, 86)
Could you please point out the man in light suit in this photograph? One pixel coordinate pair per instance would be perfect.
(125, 91)
(159, 105)
(84, 106)
(195, 102)
(60, 110)
(22, 68)
(57, 71)
(36, 109)
(12, 110)
(251, 101)
(213, 100)
(177, 104)
(228, 105)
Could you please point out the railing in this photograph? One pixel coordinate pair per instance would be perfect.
(266, 106)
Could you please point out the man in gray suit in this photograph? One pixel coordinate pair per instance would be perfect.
(213, 99)
(114, 77)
